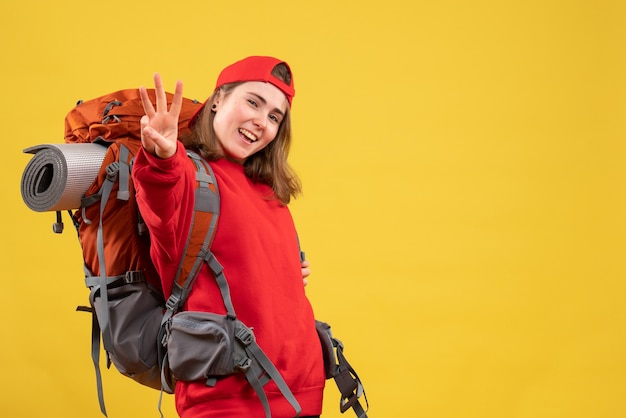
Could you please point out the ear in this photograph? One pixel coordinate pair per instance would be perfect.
(216, 100)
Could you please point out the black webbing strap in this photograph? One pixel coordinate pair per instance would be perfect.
(58, 226)
(345, 376)
(349, 384)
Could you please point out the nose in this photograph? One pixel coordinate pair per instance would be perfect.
(260, 120)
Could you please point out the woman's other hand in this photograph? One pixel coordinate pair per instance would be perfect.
(306, 271)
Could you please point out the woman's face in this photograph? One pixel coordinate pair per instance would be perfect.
(247, 119)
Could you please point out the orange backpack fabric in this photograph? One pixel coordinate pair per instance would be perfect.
(116, 116)
(113, 120)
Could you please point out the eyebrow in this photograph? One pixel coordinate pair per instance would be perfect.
(262, 99)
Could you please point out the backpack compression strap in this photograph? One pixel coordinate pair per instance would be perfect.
(114, 171)
(256, 366)
(99, 284)
(349, 384)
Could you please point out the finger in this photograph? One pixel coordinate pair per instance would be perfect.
(160, 145)
(306, 272)
(146, 140)
(145, 102)
(161, 100)
(177, 102)
(153, 142)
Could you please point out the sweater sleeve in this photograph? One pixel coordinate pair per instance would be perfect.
(164, 189)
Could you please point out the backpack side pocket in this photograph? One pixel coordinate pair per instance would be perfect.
(199, 345)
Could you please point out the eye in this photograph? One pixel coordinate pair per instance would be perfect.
(275, 118)
(252, 102)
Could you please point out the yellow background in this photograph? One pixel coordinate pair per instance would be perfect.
(464, 206)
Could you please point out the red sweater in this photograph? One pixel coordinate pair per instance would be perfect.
(256, 244)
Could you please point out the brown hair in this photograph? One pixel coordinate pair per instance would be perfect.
(269, 165)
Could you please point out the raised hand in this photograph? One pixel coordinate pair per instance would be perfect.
(159, 128)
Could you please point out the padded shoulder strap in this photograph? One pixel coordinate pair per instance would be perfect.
(201, 233)
(197, 248)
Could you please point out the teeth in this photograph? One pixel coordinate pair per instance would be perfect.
(248, 134)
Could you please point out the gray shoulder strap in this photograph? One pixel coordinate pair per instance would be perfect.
(123, 192)
(205, 201)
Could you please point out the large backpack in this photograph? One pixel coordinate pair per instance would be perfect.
(141, 332)
(126, 299)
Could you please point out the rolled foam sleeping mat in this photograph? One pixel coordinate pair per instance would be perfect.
(58, 175)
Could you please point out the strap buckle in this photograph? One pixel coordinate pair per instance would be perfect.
(244, 335)
(172, 303)
(243, 364)
(105, 113)
(112, 170)
(350, 389)
(135, 276)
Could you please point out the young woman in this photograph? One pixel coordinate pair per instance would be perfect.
(243, 131)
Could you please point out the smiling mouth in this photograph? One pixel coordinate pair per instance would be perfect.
(248, 135)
